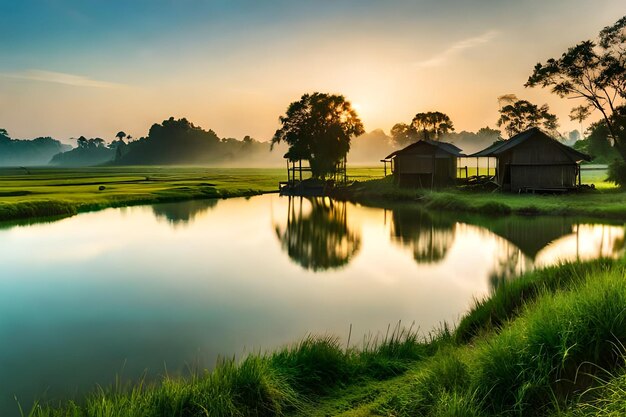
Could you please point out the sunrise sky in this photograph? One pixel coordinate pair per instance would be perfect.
(94, 67)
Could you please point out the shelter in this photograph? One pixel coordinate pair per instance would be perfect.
(425, 163)
(534, 161)
(299, 183)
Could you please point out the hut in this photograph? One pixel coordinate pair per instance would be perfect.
(425, 163)
(534, 161)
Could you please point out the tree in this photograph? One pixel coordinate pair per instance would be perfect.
(431, 125)
(403, 134)
(596, 73)
(121, 135)
(580, 114)
(506, 99)
(319, 128)
(82, 142)
(522, 115)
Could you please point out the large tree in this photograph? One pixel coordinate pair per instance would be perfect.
(403, 134)
(596, 73)
(432, 124)
(319, 128)
(522, 115)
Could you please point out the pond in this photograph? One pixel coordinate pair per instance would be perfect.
(150, 290)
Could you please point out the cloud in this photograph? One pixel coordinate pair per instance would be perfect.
(455, 49)
(60, 78)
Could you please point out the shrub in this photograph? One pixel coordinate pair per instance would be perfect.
(617, 172)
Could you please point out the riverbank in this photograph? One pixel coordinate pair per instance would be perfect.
(599, 202)
(43, 192)
(537, 346)
(31, 193)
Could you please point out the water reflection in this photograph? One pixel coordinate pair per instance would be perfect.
(317, 235)
(181, 213)
(123, 289)
(430, 236)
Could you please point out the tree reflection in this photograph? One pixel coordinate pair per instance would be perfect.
(182, 212)
(430, 236)
(318, 239)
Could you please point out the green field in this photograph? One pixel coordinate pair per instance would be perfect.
(43, 192)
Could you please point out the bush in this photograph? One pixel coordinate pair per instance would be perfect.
(617, 173)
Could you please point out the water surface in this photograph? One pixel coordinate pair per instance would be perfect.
(156, 289)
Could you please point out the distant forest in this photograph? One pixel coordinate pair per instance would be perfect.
(39, 151)
(180, 142)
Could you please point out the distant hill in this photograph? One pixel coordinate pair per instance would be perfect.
(39, 151)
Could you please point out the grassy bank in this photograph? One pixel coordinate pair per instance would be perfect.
(604, 201)
(61, 192)
(45, 192)
(550, 343)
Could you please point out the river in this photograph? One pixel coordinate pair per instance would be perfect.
(149, 290)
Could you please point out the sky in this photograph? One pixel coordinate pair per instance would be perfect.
(95, 67)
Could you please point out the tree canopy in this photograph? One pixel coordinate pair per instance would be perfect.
(319, 128)
(522, 115)
(594, 71)
(432, 124)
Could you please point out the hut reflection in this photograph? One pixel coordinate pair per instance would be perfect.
(318, 237)
(429, 235)
(182, 213)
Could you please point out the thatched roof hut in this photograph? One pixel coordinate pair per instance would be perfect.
(534, 161)
(425, 163)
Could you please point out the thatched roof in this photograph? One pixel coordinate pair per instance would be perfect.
(534, 133)
(439, 146)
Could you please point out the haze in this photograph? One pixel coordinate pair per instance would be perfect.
(76, 67)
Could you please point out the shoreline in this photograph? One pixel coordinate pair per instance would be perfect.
(504, 344)
(595, 204)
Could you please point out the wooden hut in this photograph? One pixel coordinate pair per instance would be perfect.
(534, 161)
(425, 163)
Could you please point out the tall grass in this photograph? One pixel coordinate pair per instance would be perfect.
(260, 385)
(535, 347)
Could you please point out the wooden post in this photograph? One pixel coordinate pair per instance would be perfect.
(288, 177)
(476, 167)
(385, 165)
(487, 167)
(432, 175)
(300, 163)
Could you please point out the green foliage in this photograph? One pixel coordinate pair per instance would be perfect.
(403, 134)
(431, 125)
(597, 144)
(617, 173)
(595, 72)
(522, 115)
(319, 128)
(506, 301)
